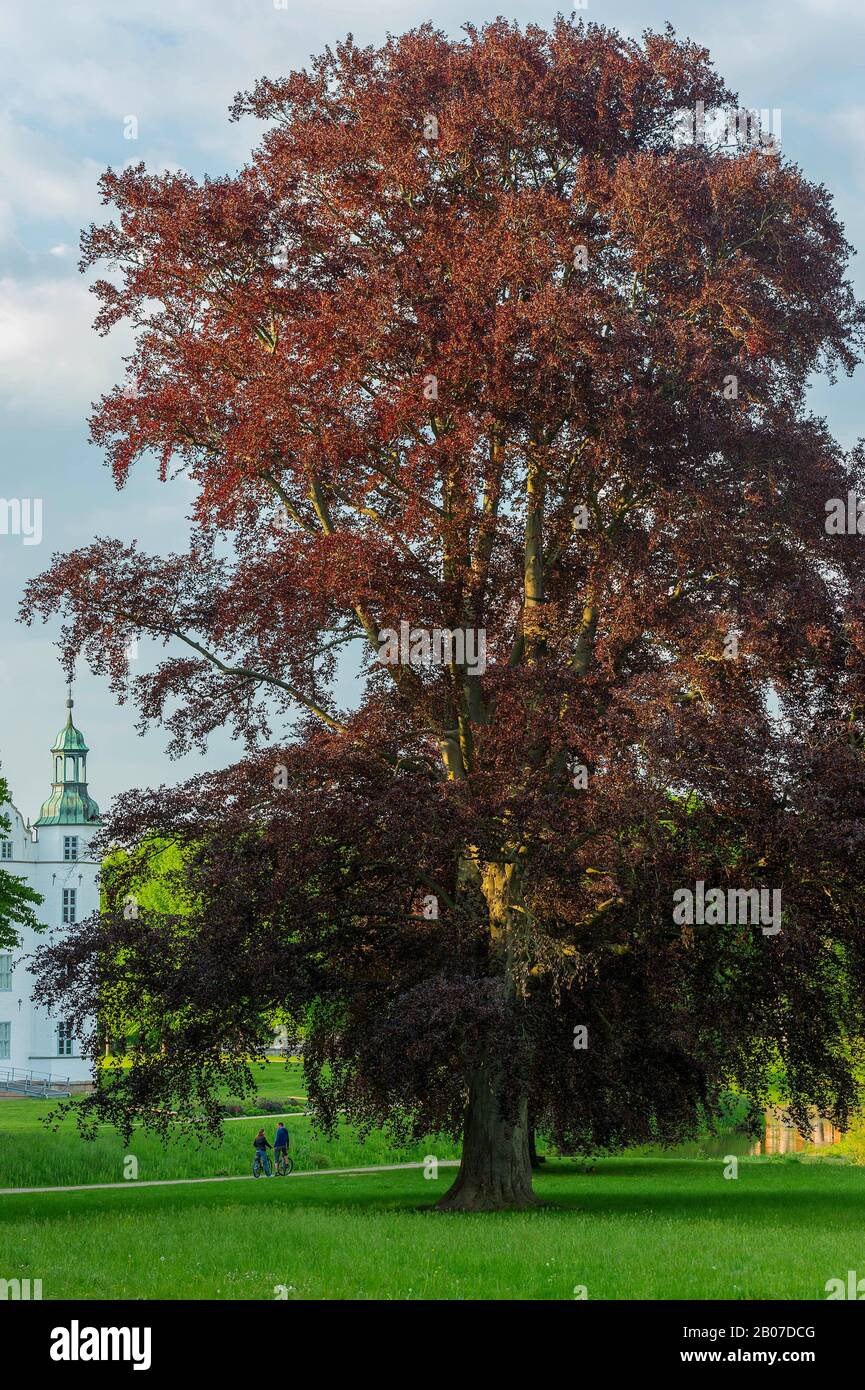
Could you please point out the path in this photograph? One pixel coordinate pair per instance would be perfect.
(233, 1177)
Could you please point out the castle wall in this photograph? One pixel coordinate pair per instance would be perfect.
(36, 1040)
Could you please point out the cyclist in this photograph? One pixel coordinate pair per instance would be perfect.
(280, 1144)
(261, 1147)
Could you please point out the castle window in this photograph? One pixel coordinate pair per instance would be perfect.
(5, 849)
(5, 1041)
(5, 970)
(64, 1040)
(70, 896)
(70, 846)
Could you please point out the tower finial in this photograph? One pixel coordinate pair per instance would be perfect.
(69, 700)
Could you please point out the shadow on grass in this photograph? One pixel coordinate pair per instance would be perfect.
(762, 1193)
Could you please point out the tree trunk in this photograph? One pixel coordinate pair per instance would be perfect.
(495, 1172)
(495, 1169)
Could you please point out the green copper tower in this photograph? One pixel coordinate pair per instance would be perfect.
(69, 802)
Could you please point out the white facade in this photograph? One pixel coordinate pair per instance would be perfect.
(55, 860)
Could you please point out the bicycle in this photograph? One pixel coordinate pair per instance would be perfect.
(284, 1164)
(260, 1164)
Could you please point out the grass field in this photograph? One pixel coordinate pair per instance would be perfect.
(33, 1156)
(646, 1225)
(40, 1159)
(644, 1228)
(278, 1078)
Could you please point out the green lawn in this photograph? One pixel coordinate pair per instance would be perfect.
(31, 1156)
(646, 1225)
(628, 1228)
(278, 1078)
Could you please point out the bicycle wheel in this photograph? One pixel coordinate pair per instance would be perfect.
(288, 1164)
(257, 1167)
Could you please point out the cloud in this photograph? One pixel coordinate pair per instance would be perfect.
(173, 64)
(51, 361)
(849, 126)
(40, 183)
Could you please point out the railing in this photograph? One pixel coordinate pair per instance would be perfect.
(33, 1083)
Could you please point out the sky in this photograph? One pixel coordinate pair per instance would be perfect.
(102, 83)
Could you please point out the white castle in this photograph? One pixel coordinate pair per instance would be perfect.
(54, 858)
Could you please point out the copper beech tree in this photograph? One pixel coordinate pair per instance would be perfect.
(479, 351)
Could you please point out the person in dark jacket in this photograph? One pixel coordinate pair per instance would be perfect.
(280, 1143)
(261, 1147)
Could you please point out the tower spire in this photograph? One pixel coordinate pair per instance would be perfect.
(69, 802)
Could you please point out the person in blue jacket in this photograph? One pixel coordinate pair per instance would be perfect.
(280, 1142)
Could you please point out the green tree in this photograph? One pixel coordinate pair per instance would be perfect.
(17, 898)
